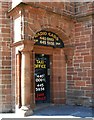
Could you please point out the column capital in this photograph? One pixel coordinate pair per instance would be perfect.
(25, 45)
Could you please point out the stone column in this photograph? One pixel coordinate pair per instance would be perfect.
(26, 83)
(25, 79)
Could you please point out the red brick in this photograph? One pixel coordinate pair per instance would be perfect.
(88, 58)
(80, 83)
(76, 78)
(6, 91)
(85, 65)
(6, 30)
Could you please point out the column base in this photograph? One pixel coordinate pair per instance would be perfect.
(25, 111)
(28, 113)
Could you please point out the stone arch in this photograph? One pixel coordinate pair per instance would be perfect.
(57, 31)
(45, 20)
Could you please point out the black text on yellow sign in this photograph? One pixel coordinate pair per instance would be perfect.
(40, 64)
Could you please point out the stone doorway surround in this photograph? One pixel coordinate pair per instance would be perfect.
(58, 74)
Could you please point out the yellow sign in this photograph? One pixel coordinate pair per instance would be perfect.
(47, 38)
(40, 64)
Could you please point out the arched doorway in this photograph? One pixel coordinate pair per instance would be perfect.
(48, 50)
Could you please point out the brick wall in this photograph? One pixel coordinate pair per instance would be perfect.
(83, 8)
(5, 59)
(93, 57)
(80, 74)
(79, 80)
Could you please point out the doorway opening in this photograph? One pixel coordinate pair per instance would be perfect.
(42, 78)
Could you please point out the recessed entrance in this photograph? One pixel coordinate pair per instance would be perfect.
(42, 78)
